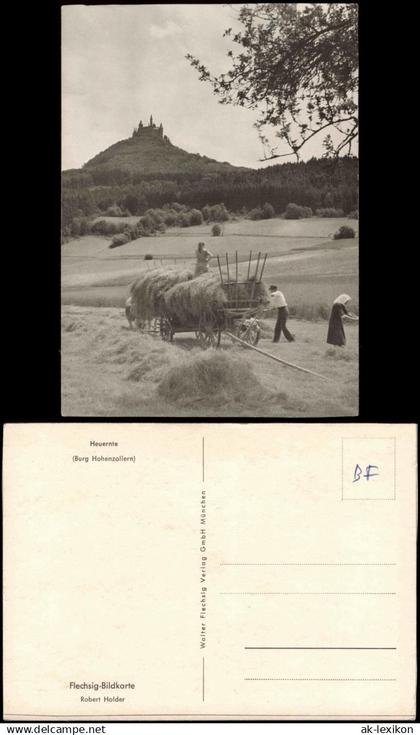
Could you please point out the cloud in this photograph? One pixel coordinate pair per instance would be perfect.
(169, 29)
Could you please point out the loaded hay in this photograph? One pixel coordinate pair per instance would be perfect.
(203, 296)
(147, 291)
(187, 299)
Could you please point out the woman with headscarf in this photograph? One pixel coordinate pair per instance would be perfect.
(203, 257)
(339, 311)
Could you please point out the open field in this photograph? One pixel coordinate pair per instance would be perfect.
(274, 236)
(109, 370)
(309, 295)
(100, 353)
(311, 269)
(307, 227)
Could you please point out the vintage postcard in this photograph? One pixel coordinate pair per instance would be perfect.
(207, 572)
(210, 227)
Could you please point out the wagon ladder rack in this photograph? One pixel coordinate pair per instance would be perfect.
(232, 285)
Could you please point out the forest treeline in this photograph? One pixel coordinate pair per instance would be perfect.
(316, 183)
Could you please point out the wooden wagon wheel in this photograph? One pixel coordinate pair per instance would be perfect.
(155, 326)
(248, 333)
(253, 334)
(209, 333)
(166, 330)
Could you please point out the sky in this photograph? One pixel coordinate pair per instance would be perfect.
(122, 63)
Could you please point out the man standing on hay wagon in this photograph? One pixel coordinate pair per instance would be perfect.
(203, 257)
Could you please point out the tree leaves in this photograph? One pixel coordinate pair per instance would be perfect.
(299, 67)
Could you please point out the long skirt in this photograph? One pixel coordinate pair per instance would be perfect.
(336, 334)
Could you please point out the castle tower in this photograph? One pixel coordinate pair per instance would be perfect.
(150, 127)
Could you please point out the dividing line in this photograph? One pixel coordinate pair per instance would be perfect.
(282, 679)
(202, 477)
(307, 593)
(320, 648)
(307, 564)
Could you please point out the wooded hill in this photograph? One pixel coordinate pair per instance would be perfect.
(147, 170)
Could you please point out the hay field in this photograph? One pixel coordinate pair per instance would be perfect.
(310, 279)
(312, 226)
(297, 248)
(108, 370)
(90, 255)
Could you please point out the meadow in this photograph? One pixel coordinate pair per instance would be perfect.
(99, 351)
(274, 236)
(302, 259)
(110, 370)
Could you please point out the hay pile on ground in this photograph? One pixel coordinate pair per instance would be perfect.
(213, 380)
(147, 291)
(72, 322)
(204, 295)
(130, 348)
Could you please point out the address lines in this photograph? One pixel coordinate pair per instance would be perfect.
(309, 564)
(320, 678)
(316, 647)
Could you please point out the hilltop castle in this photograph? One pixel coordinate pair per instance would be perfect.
(150, 128)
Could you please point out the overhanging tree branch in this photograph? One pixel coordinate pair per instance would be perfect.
(302, 64)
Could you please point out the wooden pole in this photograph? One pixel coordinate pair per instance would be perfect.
(263, 266)
(236, 290)
(249, 264)
(258, 263)
(273, 357)
(228, 277)
(255, 277)
(220, 270)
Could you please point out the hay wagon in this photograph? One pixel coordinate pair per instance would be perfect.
(238, 314)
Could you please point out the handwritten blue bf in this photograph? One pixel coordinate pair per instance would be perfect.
(368, 468)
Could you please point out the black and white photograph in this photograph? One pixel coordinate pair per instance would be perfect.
(209, 239)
